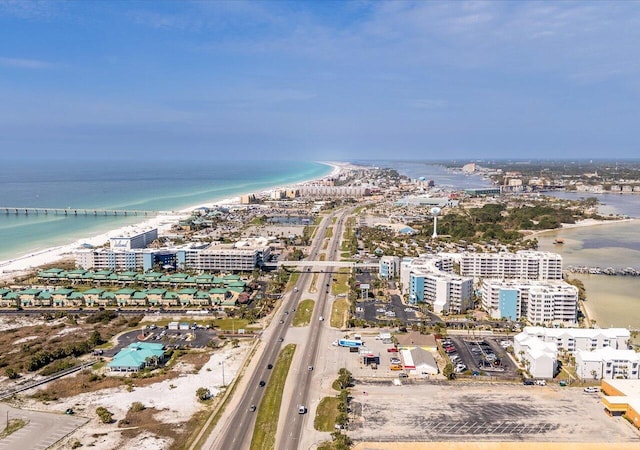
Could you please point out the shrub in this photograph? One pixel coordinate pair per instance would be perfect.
(137, 407)
(203, 393)
(105, 415)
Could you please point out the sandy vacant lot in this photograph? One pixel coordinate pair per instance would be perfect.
(170, 402)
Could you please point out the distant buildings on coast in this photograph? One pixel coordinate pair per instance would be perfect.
(131, 253)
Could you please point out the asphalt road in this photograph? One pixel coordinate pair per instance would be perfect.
(292, 427)
(42, 429)
(240, 424)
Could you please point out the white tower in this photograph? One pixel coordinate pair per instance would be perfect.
(435, 211)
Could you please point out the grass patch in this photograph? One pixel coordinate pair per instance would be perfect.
(264, 433)
(339, 312)
(13, 426)
(322, 257)
(329, 233)
(326, 414)
(341, 285)
(314, 280)
(231, 324)
(293, 279)
(303, 313)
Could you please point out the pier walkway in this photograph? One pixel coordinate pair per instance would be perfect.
(7, 210)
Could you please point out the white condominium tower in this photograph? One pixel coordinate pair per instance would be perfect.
(525, 264)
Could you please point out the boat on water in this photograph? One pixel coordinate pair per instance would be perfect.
(558, 241)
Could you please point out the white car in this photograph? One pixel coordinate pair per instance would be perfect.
(592, 390)
(460, 368)
(541, 382)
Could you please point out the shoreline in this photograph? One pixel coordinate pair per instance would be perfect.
(21, 264)
(587, 223)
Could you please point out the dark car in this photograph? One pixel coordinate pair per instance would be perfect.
(269, 366)
(252, 408)
(529, 382)
(280, 339)
(262, 383)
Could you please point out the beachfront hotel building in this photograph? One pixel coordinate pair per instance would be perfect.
(240, 257)
(429, 279)
(537, 301)
(138, 240)
(525, 264)
(316, 190)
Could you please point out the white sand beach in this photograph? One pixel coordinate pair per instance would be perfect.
(163, 222)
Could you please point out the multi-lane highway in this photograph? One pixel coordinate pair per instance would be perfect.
(292, 427)
(238, 427)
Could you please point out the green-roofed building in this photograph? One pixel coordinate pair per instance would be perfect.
(149, 277)
(137, 356)
(230, 278)
(127, 277)
(155, 296)
(186, 296)
(74, 275)
(92, 296)
(139, 298)
(60, 296)
(76, 298)
(219, 295)
(204, 279)
(28, 297)
(10, 300)
(50, 274)
(202, 298)
(236, 289)
(170, 299)
(107, 299)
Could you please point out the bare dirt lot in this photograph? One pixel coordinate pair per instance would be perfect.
(482, 412)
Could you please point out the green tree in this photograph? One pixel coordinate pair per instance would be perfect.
(95, 339)
(448, 371)
(344, 378)
(203, 393)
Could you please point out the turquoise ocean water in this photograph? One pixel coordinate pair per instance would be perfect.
(142, 185)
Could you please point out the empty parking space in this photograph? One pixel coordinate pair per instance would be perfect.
(485, 412)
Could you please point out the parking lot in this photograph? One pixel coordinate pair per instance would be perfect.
(197, 338)
(480, 356)
(481, 412)
(379, 311)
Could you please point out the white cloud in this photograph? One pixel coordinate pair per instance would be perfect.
(21, 63)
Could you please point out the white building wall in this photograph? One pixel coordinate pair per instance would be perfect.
(608, 364)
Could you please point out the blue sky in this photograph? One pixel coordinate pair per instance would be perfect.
(320, 80)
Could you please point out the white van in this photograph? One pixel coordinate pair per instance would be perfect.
(302, 409)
